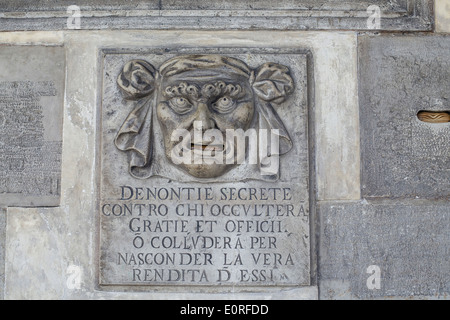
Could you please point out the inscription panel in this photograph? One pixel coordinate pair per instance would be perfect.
(163, 223)
(31, 100)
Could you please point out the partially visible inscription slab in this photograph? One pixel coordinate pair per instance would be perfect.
(400, 76)
(406, 15)
(376, 250)
(206, 223)
(2, 251)
(31, 104)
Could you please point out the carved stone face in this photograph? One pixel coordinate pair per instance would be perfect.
(213, 99)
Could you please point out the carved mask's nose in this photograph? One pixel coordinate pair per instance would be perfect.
(203, 117)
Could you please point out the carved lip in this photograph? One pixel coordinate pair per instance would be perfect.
(212, 147)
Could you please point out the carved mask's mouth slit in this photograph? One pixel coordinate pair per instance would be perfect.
(212, 147)
(434, 116)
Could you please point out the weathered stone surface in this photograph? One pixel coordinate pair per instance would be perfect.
(53, 250)
(231, 14)
(164, 223)
(61, 5)
(396, 6)
(442, 9)
(2, 250)
(399, 77)
(409, 243)
(31, 104)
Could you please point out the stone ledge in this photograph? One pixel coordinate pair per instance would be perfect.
(300, 15)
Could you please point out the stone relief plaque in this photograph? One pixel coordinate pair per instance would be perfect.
(31, 104)
(407, 15)
(204, 168)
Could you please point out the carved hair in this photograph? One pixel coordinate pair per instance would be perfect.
(208, 90)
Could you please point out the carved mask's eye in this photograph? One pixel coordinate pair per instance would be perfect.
(224, 105)
(180, 105)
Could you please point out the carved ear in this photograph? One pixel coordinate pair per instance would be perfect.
(273, 83)
(137, 79)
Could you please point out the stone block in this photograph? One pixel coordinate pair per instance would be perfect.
(375, 250)
(404, 154)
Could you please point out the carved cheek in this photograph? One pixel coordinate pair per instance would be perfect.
(242, 116)
(167, 118)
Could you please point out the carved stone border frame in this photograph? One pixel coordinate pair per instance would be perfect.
(313, 217)
(418, 15)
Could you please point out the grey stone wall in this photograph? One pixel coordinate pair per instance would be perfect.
(404, 159)
(400, 228)
(376, 177)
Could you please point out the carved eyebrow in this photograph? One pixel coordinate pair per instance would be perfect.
(208, 90)
(182, 90)
(220, 88)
